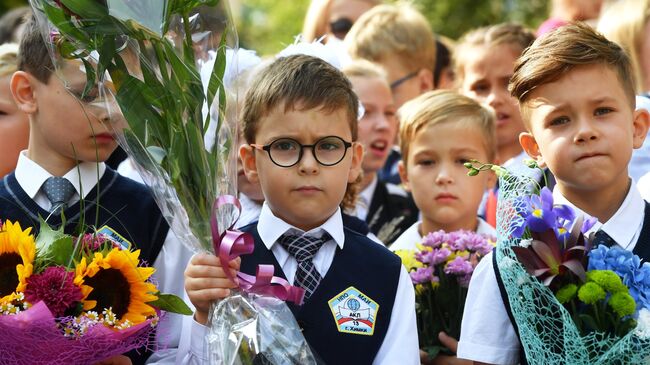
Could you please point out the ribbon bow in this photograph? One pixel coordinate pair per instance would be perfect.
(232, 243)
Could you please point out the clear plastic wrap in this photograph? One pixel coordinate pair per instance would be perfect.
(159, 68)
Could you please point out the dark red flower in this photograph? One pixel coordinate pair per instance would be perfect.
(55, 287)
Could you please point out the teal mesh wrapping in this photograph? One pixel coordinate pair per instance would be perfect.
(546, 329)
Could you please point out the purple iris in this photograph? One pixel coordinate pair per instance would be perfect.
(541, 215)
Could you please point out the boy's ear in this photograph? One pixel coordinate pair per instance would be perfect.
(401, 168)
(357, 158)
(425, 78)
(641, 124)
(529, 144)
(22, 89)
(247, 156)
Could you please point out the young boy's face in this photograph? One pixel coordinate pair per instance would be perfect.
(378, 126)
(447, 197)
(65, 129)
(583, 128)
(406, 84)
(306, 194)
(487, 71)
(14, 128)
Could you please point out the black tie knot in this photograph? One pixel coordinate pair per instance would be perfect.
(303, 247)
(59, 191)
(602, 238)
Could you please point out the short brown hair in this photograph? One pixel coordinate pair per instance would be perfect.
(444, 106)
(512, 34)
(388, 30)
(298, 82)
(558, 52)
(33, 56)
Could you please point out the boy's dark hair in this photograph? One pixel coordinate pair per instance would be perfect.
(11, 21)
(33, 56)
(560, 51)
(298, 82)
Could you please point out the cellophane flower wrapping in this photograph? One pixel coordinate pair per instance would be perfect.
(260, 331)
(147, 59)
(72, 300)
(546, 328)
(441, 269)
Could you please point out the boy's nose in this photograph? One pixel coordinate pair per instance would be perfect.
(444, 177)
(308, 164)
(586, 131)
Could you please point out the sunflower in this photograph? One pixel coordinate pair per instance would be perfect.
(17, 250)
(116, 281)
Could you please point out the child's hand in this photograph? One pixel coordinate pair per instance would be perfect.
(206, 281)
(452, 344)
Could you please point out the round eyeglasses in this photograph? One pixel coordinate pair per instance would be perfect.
(286, 152)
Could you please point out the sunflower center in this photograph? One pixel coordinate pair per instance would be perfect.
(110, 290)
(8, 273)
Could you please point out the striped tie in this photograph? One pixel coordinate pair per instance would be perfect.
(304, 248)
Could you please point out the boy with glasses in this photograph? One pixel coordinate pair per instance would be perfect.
(300, 125)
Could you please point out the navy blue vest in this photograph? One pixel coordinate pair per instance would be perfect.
(124, 205)
(641, 249)
(363, 264)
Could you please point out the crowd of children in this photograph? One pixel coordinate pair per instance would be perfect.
(342, 163)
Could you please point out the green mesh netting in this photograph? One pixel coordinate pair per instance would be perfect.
(547, 332)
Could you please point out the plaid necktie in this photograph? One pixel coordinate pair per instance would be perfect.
(59, 191)
(602, 238)
(304, 248)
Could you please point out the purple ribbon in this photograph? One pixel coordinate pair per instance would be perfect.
(232, 243)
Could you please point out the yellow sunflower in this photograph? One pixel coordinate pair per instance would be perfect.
(17, 250)
(116, 281)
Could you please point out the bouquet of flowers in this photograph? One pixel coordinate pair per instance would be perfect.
(440, 270)
(571, 303)
(74, 299)
(146, 60)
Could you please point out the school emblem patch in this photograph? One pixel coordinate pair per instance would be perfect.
(354, 312)
(117, 239)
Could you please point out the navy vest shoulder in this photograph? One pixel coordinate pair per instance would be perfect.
(363, 265)
(120, 203)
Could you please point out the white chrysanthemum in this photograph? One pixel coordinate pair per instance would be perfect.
(642, 329)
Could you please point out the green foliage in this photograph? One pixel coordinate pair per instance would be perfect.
(268, 26)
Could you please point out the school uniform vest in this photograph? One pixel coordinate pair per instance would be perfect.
(363, 264)
(388, 209)
(127, 207)
(641, 249)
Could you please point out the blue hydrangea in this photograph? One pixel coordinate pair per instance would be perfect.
(626, 265)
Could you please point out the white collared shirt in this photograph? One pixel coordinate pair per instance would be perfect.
(401, 342)
(487, 334)
(31, 177)
(365, 199)
(170, 263)
(412, 236)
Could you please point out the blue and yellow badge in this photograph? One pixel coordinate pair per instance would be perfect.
(115, 237)
(354, 312)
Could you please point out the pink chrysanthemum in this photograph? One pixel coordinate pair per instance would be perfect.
(55, 288)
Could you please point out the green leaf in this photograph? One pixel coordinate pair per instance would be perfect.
(54, 246)
(171, 303)
(62, 21)
(86, 9)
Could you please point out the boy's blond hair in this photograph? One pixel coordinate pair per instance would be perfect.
(624, 22)
(393, 30)
(512, 34)
(560, 51)
(365, 69)
(444, 106)
(298, 82)
(8, 59)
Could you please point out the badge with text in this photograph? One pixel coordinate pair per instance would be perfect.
(120, 241)
(354, 312)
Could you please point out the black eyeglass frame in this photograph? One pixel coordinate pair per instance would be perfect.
(267, 148)
(398, 82)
